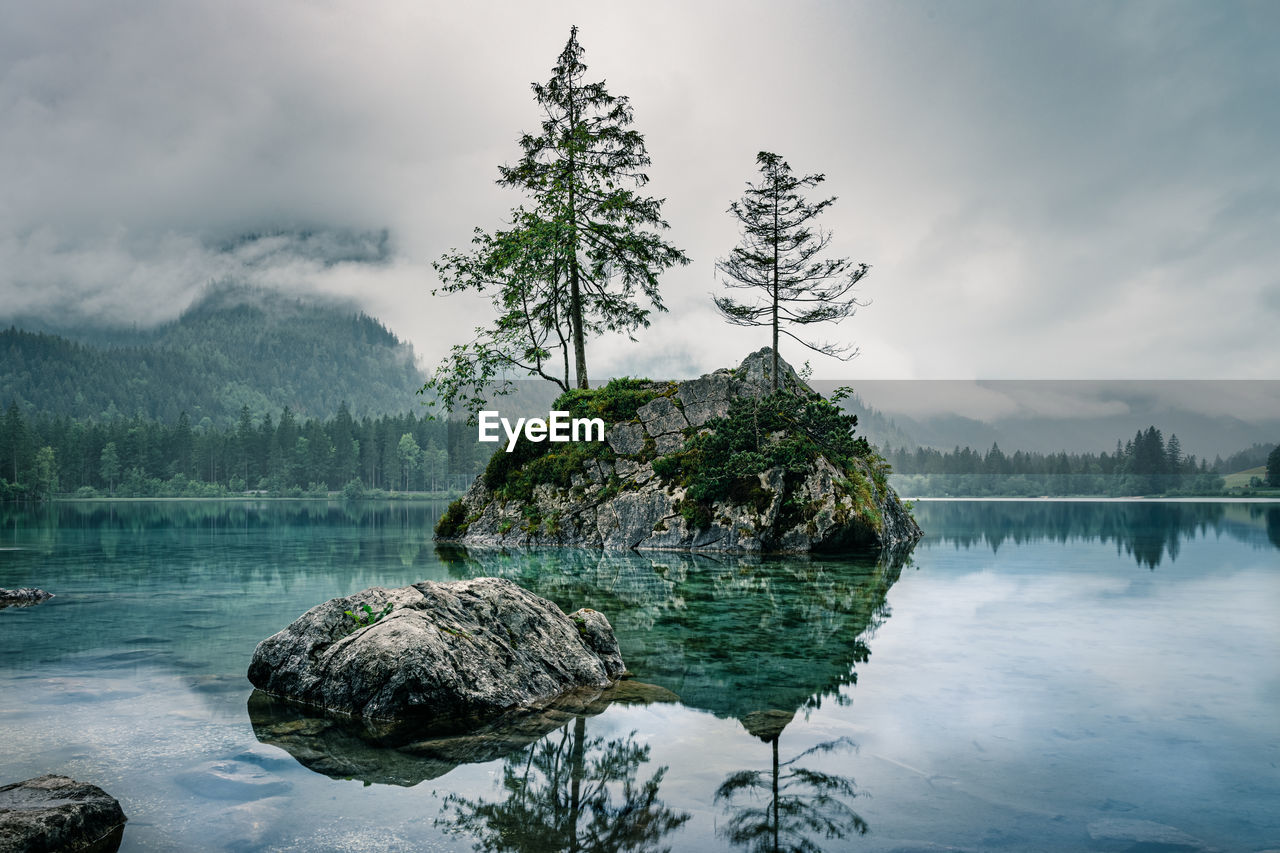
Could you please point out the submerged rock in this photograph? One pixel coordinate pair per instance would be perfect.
(445, 654)
(634, 490)
(24, 597)
(50, 813)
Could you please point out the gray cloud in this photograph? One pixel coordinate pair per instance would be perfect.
(1044, 190)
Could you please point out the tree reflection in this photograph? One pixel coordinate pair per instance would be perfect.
(789, 805)
(1148, 531)
(728, 634)
(572, 793)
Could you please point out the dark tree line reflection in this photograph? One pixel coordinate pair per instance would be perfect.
(1148, 531)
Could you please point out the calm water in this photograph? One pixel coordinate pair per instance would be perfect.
(1037, 676)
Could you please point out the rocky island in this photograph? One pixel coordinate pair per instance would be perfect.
(718, 463)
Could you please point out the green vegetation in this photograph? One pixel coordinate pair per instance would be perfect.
(283, 457)
(778, 260)
(571, 264)
(453, 522)
(368, 617)
(1245, 479)
(514, 475)
(1145, 465)
(781, 430)
(234, 348)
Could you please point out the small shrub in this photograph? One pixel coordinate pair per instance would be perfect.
(453, 522)
(367, 617)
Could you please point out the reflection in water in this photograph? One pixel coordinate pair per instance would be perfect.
(178, 573)
(789, 806)
(63, 516)
(731, 635)
(406, 754)
(1146, 530)
(569, 792)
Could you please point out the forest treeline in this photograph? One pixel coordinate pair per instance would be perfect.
(235, 347)
(46, 456)
(1144, 465)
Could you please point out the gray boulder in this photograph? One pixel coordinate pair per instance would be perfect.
(50, 813)
(616, 502)
(446, 654)
(23, 597)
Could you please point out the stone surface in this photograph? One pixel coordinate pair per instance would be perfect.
(661, 416)
(447, 654)
(626, 439)
(620, 504)
(24, 597)
(58, 813)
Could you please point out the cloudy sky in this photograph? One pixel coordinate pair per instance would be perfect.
(1043, 190)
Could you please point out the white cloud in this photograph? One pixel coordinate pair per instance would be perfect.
(1042, 190)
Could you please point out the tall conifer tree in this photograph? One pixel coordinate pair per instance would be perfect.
(577, 262)
(778, 259)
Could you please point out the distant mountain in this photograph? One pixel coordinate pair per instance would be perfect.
(1210, 417)
(235, 346)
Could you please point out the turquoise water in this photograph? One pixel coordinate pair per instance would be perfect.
(1036, 676)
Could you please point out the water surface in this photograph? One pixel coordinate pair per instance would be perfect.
(1037, 675)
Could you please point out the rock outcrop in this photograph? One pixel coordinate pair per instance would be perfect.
(620, 497)
(24, 597)
(444, 654)
(50, 813)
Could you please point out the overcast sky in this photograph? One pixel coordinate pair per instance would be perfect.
(1043, 190)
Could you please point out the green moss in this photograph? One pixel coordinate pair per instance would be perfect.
(515, 475)
(614, 403)
(696, 513)
(452, 523)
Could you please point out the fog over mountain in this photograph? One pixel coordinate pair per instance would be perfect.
(1043, 190)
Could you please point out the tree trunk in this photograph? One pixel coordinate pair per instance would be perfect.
(575, 284)
(775, 794)
(577, 762)
(575, 319)
(775, 283)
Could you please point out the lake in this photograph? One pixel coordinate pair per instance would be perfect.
(1036, 675)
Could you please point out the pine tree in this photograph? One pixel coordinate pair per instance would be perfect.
(576, 262)
(1273, 468)
(778, 259)
(109, 465)
(13, 442)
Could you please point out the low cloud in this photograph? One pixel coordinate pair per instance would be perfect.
(1042, 190)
